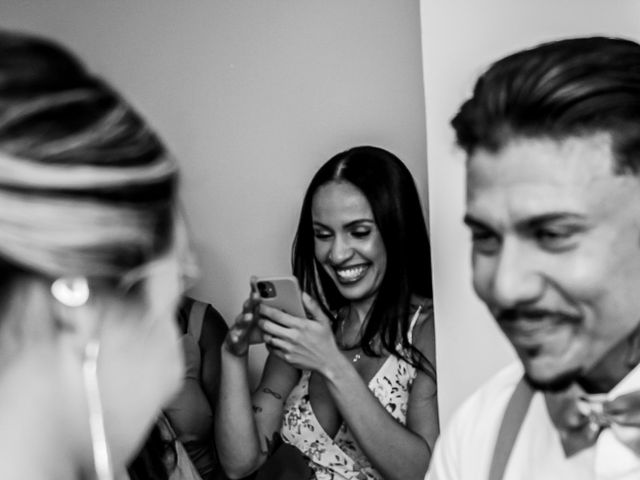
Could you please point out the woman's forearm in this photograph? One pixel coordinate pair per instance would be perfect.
(235, 428)
(394, 450)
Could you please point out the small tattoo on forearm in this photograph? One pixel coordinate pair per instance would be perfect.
(256, 409)
(271, 392)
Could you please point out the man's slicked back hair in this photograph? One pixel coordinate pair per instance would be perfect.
(560, 89)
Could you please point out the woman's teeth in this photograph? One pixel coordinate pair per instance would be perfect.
(350, 274)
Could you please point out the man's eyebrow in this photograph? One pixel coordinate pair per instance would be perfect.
(540, 220)
(470, 221)
(548, 218)
(529, 222)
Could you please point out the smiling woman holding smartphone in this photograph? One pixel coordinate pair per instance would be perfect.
(352, 387)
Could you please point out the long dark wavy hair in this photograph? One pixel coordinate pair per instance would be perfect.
(390, 190)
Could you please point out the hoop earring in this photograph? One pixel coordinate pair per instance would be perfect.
(72, 292)
(99, 446)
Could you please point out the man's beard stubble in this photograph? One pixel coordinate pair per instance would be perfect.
(556, 384)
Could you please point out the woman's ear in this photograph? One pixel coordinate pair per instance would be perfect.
(74, 310)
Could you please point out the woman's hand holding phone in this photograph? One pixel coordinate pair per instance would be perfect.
(305, 343)
(303, 338)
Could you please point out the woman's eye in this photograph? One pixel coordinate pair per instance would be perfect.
(320, 235)
(361, 233)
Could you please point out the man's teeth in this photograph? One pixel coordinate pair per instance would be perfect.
(350, 273)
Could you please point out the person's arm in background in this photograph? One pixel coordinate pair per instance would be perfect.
(214, 331)
(245, 424)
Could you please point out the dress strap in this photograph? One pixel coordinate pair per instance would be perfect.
(414, 321)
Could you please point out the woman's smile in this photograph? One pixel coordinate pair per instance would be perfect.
(351, 274)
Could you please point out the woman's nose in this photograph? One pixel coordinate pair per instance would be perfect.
(340, 251)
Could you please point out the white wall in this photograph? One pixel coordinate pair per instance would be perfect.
(252, 96)
(460, 38)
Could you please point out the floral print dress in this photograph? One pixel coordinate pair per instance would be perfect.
(340, 458)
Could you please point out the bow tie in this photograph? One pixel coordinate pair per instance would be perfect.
(580, 418)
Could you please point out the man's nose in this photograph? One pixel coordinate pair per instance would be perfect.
(516, 278)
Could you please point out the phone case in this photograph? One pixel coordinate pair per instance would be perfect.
(280, 292)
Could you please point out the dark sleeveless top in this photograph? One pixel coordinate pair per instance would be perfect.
(190, 412)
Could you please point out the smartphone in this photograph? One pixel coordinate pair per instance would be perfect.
(280, 292)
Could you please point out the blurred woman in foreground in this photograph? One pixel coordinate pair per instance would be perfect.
(91, 269)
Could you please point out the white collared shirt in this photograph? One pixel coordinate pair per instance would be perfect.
(465, 449)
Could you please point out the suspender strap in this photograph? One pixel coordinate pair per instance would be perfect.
(196, 316)
(512, 420)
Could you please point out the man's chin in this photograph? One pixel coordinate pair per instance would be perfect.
(552, 383)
